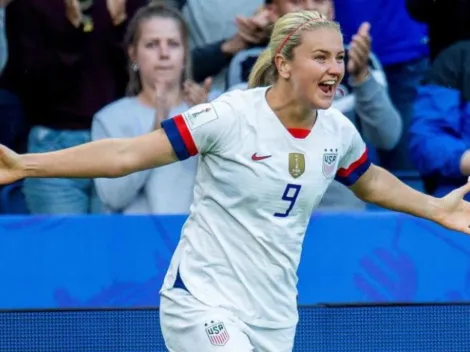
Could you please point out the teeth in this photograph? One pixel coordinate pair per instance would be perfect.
(330, 83)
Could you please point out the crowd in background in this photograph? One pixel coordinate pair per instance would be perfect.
(79, 70)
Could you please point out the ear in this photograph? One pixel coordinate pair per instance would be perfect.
(132, 53)
(283, 66)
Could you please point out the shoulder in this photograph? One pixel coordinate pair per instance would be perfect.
(238, 103)
(334, 121)
(235, 96)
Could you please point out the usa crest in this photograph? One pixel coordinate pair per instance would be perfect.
(296, 164)
(330, 158)
(217, 333)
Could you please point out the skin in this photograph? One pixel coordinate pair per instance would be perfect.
(292, 98)
(297, 94)
(159, 52)
(359, 47)
(281, 7)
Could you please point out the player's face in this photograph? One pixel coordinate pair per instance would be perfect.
(160, 52)
(281, 7)
(317, 67)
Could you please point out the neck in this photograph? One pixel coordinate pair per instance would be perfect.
(290, 111)
(173, 96)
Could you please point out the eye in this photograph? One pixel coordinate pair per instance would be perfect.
(174, 44)
(321, 58)
(151, 44)
(340, 58)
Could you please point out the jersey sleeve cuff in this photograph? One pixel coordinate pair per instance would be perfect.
(180, 137)
(349, 176)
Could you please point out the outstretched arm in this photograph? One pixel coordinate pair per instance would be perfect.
(104, 158)
(205, 128)
(380, 187)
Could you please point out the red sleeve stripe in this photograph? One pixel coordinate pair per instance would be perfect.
(180, 137)
(350, 175)
(185, 135)
(355, 165)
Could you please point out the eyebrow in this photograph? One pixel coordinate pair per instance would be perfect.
(327, 52)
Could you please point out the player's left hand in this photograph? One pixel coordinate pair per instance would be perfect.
(117, 11)
(197, 94)
(358, 54)
(453, 212)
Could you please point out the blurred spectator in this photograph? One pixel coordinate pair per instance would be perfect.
(159, 87)
(401, 45)
(362, 96)
(440, 130)
(212, 21)
(65, 62)
(215, 40)
(443, 30)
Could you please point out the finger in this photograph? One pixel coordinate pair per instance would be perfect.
(189, 100)
(246, 23)
(352, 61)
(363, 41)
(196, 96)
(364, 29)
(247, 37)
(207, 85)
(361, 45)
(464, 189)
(189, 85)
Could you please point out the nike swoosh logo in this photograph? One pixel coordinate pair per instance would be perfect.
(256, 157)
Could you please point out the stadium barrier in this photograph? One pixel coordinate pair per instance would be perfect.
(367, 282)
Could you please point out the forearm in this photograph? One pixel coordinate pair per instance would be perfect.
(380, 122)
(96, 159)
(382, 188)
(103, 158)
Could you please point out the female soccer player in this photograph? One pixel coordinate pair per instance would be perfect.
(267, 155)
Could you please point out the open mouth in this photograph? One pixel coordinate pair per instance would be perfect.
(327, 87)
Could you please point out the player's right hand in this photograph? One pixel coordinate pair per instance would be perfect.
(11, 168)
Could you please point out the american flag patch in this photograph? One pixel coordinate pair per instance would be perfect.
(329, 162)
(217, 333)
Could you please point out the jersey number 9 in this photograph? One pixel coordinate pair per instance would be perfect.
(290, 195)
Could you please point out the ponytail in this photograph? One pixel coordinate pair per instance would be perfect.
(263, 72)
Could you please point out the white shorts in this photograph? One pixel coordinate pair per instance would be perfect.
(189, 325)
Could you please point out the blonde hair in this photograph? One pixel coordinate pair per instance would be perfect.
(156, 8)
(285, 37)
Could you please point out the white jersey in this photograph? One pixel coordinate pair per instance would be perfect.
(256, 188)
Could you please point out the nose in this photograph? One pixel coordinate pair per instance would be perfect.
(336, 68)
(163, 51)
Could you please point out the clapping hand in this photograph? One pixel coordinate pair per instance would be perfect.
(196, 93)
(359, 52)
